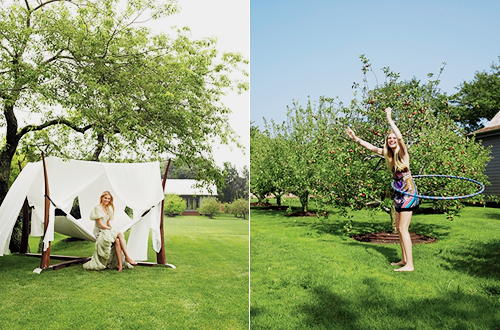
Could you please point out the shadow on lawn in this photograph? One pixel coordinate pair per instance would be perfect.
(337, 227)
(480, 259)
(370, 307)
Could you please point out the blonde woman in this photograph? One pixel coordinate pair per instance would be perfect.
(103, 214)
(398, 161)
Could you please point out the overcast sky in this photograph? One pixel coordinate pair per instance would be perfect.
(301, 48)
(229, 21)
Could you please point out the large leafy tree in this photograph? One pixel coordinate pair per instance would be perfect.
(327, 165)
(235, 185)
(267, 163)
(436, 145)
(478, 99)
(101, 86)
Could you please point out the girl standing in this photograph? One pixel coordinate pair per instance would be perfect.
(398, 161)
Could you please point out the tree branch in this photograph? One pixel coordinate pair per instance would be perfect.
(57, 121)
(49, 2)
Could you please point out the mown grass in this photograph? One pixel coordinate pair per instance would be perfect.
(208, 290)
(307, 273)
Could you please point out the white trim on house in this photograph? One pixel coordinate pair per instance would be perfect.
(187, 187)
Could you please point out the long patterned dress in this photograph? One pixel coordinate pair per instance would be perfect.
(404, 182)
(104, 254)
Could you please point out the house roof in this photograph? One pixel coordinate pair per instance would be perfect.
(493, 125)
(187, 187)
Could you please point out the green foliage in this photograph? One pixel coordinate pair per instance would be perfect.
(478, 99)
(311, 155)
(235, 186)
(174, 204)
(240, 208)
(210, 207)
(101, 85)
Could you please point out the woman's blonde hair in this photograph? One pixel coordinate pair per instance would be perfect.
(110, 207)
(392, 159)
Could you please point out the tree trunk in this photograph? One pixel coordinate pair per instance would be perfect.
(304, 200)
(6, 155)
(99, 147)
(278, 200)
(8, 151)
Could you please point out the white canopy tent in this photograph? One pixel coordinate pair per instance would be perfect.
(136, 185)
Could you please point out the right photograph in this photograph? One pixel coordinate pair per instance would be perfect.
(374, 165)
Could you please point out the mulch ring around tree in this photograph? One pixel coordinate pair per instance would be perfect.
(385, 237)
(302, 214)
(269, 206)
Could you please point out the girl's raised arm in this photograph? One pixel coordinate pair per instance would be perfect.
(396, 131)
(364, 144)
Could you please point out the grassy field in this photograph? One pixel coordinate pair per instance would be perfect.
(307, 273)
(208, 290)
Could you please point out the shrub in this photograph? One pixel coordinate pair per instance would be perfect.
(174, 204)
(210, 207)
(240, 208)
(227, 208)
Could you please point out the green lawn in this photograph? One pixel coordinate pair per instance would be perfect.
(208, 290)
(308, 273)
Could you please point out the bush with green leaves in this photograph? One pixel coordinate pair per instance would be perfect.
(240, 208)
(174, 204)
(210, 207)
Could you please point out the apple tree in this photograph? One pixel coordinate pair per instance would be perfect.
(358, 178)
(267, 163)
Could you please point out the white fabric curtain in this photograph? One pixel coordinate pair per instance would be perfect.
(136, 185)
(13, 203)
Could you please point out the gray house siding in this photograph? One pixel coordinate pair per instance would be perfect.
(492, 170)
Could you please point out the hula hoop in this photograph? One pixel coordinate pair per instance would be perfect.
(439, 197)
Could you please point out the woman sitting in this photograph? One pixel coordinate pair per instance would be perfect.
(106, 237)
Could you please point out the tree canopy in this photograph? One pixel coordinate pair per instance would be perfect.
(478, 99)
(320, 161)
(235, 186)
(104, 89)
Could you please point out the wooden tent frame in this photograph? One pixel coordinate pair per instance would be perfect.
(161, 259)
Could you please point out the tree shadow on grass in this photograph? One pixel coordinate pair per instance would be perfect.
(337, 227)
(492, 215)
(477, 259)
(329, 310)
(369, 307)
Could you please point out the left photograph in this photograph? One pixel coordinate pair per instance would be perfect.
(124, 167)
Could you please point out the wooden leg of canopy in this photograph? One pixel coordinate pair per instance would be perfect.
(45, 262)
(160, 256)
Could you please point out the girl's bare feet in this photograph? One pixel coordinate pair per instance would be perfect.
(119, 267)
(404, 269)
(399, 263)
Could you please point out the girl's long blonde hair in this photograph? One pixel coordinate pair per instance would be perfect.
(392, 159)
(110, 208)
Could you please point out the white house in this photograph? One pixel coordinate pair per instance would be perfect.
(188, 190)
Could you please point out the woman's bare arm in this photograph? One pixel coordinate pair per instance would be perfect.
(364, 144)
(101, 224)
(396, 131)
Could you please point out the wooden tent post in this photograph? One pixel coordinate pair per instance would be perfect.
(45, 262)
(26, 223)
(160, 256)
